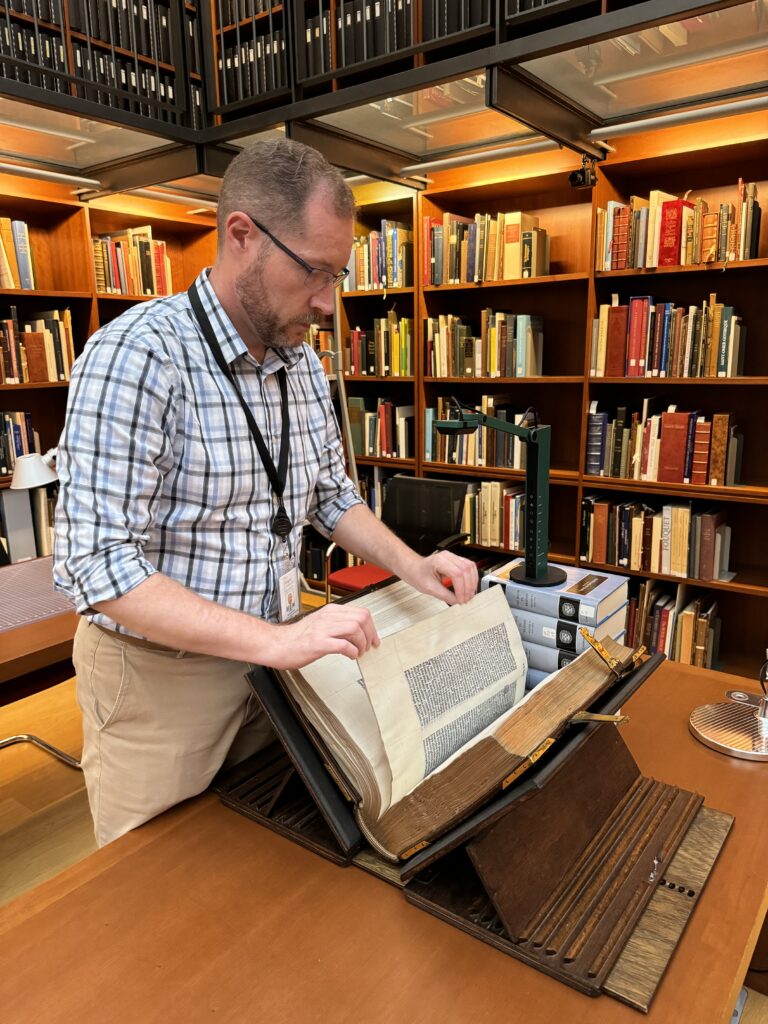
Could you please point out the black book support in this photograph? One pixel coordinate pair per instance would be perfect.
(575, 869)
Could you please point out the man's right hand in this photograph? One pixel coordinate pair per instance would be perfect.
(332, 629)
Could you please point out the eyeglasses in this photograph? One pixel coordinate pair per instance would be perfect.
(316, 280)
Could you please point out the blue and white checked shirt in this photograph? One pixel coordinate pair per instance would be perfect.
(158, 470)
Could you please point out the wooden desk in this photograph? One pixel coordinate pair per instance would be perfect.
(37, 625)
(203, 915)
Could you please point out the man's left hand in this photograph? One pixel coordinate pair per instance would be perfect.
(450, 577)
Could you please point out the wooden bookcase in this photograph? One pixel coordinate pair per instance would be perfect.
(707, 160)
(60, 230)
(359, 308)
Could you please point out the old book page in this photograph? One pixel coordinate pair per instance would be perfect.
(334, 700)
(435, 687)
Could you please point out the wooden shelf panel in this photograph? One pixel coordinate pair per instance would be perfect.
(35, 386)
(127, 298)
(43, 293)
(556, 476)
(689, 381)
(104, 44)
(557, 554)
(521, 282)
(504, 380)
(697, 268)
(372, 378)
(383, 460)
(381, 293)
(245, 22)
(746, 581)
(758, 494)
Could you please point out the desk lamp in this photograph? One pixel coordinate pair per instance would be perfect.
(534, 571)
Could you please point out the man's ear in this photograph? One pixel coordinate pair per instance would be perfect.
(238, 229)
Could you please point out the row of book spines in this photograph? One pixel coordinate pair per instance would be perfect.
(484, 446)
(466, 250)
(671, 447)
(37, 50)
(136, 267)
(140, 26)
(386, 431)
(385, 350)
(17, 267)
(43, 351)
(253, 66)
(509, 345)
(494, 515)
(49, 11)
(686, 632)
(231, 12)
(647, 339)
(17, 437)
(364, 30)
(381, 259)
(133, 85)
(664, 231)
(313, 559)
(671, 541)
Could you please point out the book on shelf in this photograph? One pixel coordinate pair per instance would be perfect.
(507, 345)
(132, 262)
(585, 596)
(666, 230)
(17, 266)
(440, 720)
(385, 350)
(674, 540)
(501, 247)
(380, 428)
(674, 446)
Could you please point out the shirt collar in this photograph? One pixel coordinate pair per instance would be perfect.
(232, 345)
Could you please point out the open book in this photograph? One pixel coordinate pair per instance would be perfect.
(425, 728)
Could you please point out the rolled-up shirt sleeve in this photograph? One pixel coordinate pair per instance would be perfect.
(115, 450)
(334, 493)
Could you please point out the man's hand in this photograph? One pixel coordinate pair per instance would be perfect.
(332, 629)
(430, 575)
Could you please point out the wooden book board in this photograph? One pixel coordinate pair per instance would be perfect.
(583, 868)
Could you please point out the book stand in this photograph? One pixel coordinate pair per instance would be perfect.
(583, 868)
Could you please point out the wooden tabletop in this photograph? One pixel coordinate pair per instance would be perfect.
(204, 915)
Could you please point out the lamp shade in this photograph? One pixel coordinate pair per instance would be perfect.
(32, 471)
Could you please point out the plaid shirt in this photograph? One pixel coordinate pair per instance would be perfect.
(159, 472)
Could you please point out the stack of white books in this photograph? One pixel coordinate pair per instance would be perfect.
(550, 618)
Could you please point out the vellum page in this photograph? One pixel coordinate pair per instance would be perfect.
(343, 701)
(437, 685)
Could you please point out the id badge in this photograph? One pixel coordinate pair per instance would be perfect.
(288, 590)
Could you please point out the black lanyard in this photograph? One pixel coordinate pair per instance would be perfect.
(281, 523)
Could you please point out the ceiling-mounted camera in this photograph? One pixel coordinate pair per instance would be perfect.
(586, 176)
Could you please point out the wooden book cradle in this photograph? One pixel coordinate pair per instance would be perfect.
(583, 868)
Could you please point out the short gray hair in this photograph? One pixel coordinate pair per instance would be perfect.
(273, 179)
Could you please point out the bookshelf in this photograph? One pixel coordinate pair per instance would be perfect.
(568, 298)
(359, 308)
(60, 230)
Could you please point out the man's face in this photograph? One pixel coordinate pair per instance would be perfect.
(272, 289)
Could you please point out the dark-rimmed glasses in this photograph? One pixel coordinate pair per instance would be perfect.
(316, 280)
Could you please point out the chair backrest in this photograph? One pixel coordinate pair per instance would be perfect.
(423, 511)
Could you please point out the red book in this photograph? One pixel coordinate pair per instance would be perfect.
(672, 447)
(619, 239)
(671, 233)
(638, 341)
(701, 441)
(616, 341)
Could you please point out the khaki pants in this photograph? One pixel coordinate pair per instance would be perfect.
(157, 726)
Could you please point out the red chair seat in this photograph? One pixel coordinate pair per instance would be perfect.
(358, 577)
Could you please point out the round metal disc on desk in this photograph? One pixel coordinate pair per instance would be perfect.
(732, 729)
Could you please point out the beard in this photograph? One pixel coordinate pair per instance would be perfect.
(270, 326)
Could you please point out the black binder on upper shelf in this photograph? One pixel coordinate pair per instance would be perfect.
(574, 869)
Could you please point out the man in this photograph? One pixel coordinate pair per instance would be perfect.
(199, 436)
